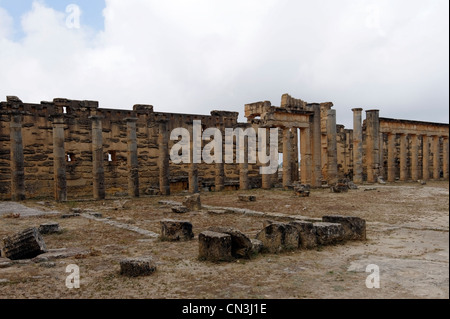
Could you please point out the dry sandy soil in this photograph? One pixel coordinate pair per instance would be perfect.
(407, 231)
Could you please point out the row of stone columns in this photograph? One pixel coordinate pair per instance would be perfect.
(59, 158)
(414, 150)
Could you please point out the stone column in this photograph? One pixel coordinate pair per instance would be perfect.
(305, 150)
(193, 166)
(294, 157)
(436, 157)
(316, 141)
(220, 167)
(266, 179)
(132, 158)
(372, 145)
(357, 146)
(17, 159)
(332, 147)
(59, 159)
(98, 172)
(403, 158)
(243, 167)
(163, 160)
(286, 157)
(425, 158)
(391, 158)
(445, 156)
(414, 157)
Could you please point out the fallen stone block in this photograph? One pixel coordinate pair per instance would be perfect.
(49, 228)
(95, 215)
(329, 233)
(175, 230)
(247, 198)
(217, 211)
(241, 245)
(257, 246)
(380, 180)
(152, 192)
(53, 254)
(70, 215)
(277, 237)
(354, 227)
(301, 191)
(339, 188)
(193, 202)
(352, 185)
(214, 246)
(135, 267)
(24, 245)
(180, 209)
(169, 203)
(307, 234)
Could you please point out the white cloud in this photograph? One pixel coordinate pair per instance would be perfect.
(5, 24)
(199, 55)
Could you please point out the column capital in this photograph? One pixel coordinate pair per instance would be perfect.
(57, 118)
(357, 109)
(96, 117)
(131, 119)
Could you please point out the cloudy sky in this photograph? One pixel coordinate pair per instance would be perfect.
(193, 56)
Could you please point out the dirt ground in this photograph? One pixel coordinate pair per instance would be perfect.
(407, 231)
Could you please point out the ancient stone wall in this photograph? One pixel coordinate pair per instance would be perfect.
(70, 149)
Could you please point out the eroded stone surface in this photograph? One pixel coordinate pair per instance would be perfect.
(175, 230)
(49, 228)
(193, 202)
(307, 234)
(354, 227)
(214, 246)
(24, 245)
(241, 245)
(277, 237)
(329, 233)
(135, 267)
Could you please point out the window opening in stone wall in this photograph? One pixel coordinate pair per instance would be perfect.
(70, 157)
(112, 156)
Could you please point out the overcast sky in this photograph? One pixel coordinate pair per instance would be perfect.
(193, 56)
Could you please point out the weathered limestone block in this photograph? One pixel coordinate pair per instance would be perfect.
(329, 233)
(352, 185)
(302, 190)
(354, 227)
(152, 191)
(180, 209)
(193, 202)
(247, 198)
(307, 234)
(175, 230)
(241, 245)
(214, 246)
(135, 267)
(381, 180)
(49, 228)
(339, 188)
(24, 245)
(70, 215)
(278, 236)
(257, 246)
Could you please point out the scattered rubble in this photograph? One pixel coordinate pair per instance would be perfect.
(135, 267)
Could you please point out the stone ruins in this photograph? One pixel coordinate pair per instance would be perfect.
(74, 149)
